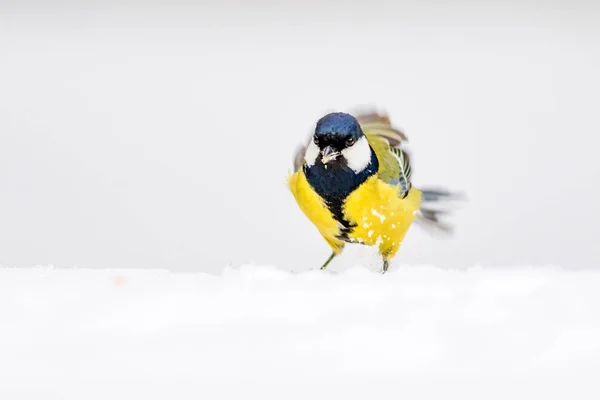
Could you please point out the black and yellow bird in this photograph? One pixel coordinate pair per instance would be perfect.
(353, 182)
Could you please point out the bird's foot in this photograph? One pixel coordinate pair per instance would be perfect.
(386, 265)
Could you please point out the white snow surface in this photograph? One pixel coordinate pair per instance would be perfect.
(260, 332)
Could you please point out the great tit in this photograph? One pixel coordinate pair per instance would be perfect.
(353, 182)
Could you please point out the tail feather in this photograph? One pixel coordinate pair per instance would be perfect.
(434, 205)
(431, 195)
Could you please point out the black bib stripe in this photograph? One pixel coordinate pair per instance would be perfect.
(334, 182)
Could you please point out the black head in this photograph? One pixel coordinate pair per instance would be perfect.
(337, 131)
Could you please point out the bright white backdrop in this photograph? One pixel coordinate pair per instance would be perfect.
(161, 135)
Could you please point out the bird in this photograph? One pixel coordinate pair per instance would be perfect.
(352, 180)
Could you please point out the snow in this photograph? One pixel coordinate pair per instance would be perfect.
(378, 215)
(261, 332)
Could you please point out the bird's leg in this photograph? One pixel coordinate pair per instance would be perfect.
(386, 265)
(328, 260)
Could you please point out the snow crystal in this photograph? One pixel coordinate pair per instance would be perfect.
(377, 214)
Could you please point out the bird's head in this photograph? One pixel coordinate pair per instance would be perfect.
(339, 139)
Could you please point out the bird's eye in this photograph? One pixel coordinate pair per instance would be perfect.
(349, 141)
(316, 140)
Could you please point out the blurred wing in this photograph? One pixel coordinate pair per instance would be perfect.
(299, 157)
(394, 162)
(380, 125)
(404, 178)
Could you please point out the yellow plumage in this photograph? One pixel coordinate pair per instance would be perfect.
(381, 217)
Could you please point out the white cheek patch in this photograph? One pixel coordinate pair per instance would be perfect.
(311, 153)
(359, 155)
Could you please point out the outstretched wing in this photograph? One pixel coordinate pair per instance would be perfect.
(386, 141)
(299, 157)
(380, 125)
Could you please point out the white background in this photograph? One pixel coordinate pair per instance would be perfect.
(160, 135)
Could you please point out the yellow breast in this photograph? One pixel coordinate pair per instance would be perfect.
(380, 216)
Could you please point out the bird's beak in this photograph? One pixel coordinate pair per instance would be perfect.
(328, 154)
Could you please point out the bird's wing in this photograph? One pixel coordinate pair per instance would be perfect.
(299, 157)
(386, 141)
(380, 125)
